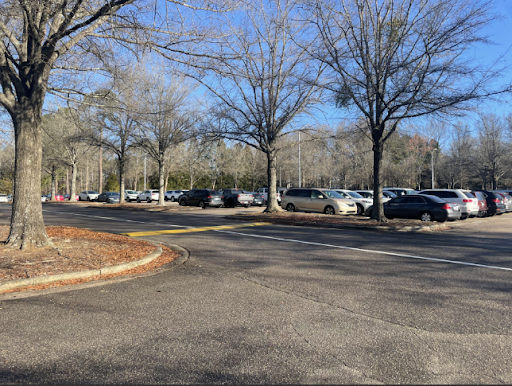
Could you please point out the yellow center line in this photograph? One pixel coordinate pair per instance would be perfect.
(190, 230)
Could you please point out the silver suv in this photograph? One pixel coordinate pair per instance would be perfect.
(317, 200)
(468, 206)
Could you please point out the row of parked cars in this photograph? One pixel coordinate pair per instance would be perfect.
(426, 205)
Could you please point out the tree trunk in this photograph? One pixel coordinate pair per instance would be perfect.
(100, 168)
(121, 180)
(72, 193)
(27, 229)
(272, 205)
(378, 210)
(161, 178)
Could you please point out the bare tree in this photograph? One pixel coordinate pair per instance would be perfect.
(44, 39)
(166, 117)
(492, 152)
(261, 79)
(63, 145)
(392, 60)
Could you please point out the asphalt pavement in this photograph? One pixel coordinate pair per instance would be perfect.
(274, 304)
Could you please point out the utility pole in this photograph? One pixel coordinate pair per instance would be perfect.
(300, 174)
(432, 166)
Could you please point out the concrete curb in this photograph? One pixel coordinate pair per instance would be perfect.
(81, 274)
(419, 228)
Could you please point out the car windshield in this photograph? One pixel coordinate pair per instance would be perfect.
(355, 195)
(331, 194)
(92, 192)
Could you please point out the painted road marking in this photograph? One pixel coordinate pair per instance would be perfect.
(191, 230)
(292, 241)
(371, 251)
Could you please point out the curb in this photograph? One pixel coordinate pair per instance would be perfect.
(419, 228)
(85, 274)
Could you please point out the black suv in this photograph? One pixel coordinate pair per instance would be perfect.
(201, 198)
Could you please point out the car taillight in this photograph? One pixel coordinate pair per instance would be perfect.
(238, 196)
(467, 200)
(496, 200)
(209, 197)
(446, 206)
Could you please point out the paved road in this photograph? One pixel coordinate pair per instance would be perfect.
(275, 304)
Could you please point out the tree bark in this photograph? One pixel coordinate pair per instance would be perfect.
(378, 210)
(27, 229)
(272, 205)
(72, 192)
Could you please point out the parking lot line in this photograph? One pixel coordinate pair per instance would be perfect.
(190, 230)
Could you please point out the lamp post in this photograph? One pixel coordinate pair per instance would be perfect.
(432, 166)
(300, 176)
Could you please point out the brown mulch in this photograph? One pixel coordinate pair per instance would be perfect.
(298, 218)
(75, 250)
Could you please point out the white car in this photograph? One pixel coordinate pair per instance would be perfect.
(172, 195)
(148, 195)
(131, 195)
(361, 202)
(369, 194)
(4, 198)
(88, 195)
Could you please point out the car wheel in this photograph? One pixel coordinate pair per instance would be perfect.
(148, 200)
(138, 199)
(173, 199)
(426, 216)
(165, 198)
(360, 209)
(182, 202)
(88, 199)
(329, 210)
(290, 208)
(202, 205)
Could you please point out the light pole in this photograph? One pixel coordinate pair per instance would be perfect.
(300, 176)
(432, 166)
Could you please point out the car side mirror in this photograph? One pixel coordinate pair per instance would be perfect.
(321, 197)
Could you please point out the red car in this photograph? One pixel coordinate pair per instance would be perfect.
(482, 203)
(77, 197)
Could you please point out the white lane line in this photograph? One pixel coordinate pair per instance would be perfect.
(308, 242)
(121, 220)
(370, 251)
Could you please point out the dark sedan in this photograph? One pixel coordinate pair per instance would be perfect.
(420, 206)
(201, 198)
(109, 197)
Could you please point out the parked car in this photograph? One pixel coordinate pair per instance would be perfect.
(44, 198)
(233, 197)
(131, 195)
(507, 200)
(148, 195)
(369, 194)
(173, 195)
(58, 197)
(495, 203)
(468, 206)
(362, 203)
(67, 196)
(201, 198)
(4, 198)
(471, 202)
(420, 206)
(482, 203)
(388, 194)
(109, 197)
(400, 191)
(88, 195)
(258, 199)
(264, 192)
(317, 200)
